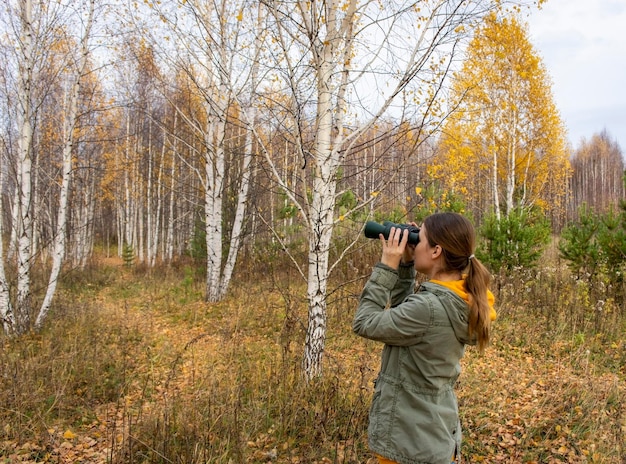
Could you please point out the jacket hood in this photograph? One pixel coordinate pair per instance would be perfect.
(456, 307)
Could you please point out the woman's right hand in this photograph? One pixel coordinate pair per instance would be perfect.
(394, 247)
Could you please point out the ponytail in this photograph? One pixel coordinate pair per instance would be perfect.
(477, 285)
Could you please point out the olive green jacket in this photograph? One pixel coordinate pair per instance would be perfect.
(414, 413)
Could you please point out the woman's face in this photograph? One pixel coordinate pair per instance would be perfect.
(423, 253)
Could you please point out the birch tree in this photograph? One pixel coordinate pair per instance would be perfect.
(215, 46)
(6, 306)
(37, 32)
(78, 67)
(598, 170)
(346, 65)
(506, 135)
(27, 79)
(26, 44)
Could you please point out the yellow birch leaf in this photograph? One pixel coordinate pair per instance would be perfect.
(69, 435)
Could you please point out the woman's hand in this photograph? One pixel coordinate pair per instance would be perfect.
(394, 247)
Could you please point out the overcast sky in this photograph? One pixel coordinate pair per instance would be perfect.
(583, 46)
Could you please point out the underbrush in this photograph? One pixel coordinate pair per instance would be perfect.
(138, 369)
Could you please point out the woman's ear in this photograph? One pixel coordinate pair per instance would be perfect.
(437, 251)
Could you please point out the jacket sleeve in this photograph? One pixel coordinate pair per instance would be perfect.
(388, 309)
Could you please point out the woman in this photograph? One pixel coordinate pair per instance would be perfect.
(414, 415)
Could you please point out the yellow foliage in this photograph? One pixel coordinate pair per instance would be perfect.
(506, 141)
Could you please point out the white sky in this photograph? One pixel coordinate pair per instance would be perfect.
(583, 46)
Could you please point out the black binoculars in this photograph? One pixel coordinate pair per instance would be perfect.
(373, 229)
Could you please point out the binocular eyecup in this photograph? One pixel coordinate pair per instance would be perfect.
(374, 229)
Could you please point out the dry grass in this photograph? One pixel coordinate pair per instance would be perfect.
(134, 368)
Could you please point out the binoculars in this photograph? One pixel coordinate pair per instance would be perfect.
(373, 229)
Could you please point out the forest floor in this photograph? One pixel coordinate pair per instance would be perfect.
(172, 364)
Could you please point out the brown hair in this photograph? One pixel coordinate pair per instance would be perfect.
(455, 235)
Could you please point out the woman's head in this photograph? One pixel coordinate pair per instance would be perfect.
(455, 234)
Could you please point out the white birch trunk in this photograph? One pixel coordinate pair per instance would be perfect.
(83, 225)
(155, 229)
(69, 125)
(240, 212)
(150, 257)
(327, 160)
(214, 170)
(140, 218)
(12, 251)
(494, 181)
(169, 242)
(512, 162)
(126, 237)
(215, 167)
(6, 308)
(37, 211)
(246, 170)
(88, 224)
(26, 81)
(321, 213)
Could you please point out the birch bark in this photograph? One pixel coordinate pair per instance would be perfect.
(26, 79)
(214, 190)
(6, 308)
(169, 241)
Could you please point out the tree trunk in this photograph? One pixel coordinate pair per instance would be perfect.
(24, 208)
(69, 125)
(214, 171)
(6, 309)
(494, 181)
(169, 242)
